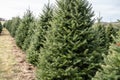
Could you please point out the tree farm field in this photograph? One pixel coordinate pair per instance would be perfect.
(12, 60)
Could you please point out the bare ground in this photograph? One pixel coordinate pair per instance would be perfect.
(13, 64)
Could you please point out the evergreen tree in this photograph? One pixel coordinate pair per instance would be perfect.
(101, 37)
(100, 31)
(0, 27)
(23, 28)
(30, 33)
(14, 26)
(111, 67)
(67, 53)
(8, 25)
(104, 36)
(111, 32)
(38, 38)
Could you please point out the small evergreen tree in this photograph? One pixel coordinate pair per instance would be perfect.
(111, 67)
(14, 25)
(8, 25)
(0, 27)
(104, 36)
(38, 38)
(101, 38)
(30, 33)
(23, 28)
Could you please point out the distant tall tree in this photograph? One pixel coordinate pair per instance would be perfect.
(23, 28)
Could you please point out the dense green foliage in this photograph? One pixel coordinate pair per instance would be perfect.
(104, 36)
(65, 43)
(111, 67)
(29, 34)
(23, 28)
(68, 53)
(8, 25)
(0, 27)
(12, 25)
(38, 38)
(15, 25)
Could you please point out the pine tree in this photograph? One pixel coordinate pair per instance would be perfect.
(38, 38)
(7, 25)
(101, 36)
(0, 27)
(110, 32)
(67, 53)
(30, 33)
(23, 28)
(14, 25)
(111, 66)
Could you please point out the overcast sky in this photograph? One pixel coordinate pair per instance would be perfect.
(108, 9)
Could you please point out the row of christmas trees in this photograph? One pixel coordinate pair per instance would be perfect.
(64, 45)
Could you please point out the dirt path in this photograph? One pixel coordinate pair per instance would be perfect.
(13, 65)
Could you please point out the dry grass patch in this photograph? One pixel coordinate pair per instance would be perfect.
(13, 64)
(6, 59)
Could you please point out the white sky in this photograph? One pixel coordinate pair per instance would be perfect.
(109, 9)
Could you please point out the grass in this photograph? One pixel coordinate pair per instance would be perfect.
(6, 59)
(13, 65)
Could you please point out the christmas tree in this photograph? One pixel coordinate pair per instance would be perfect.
(38, 38)
(23, 28)
(111, 66)
(67, 53)
(30, 33)
(14, 26)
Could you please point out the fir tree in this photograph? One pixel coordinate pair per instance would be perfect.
(23, 28)
(8, 25)
(28, 38)
(14, 25)
(38, 38)
(110, 32)
(101, 38)
(67, 53)
(111, 67)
